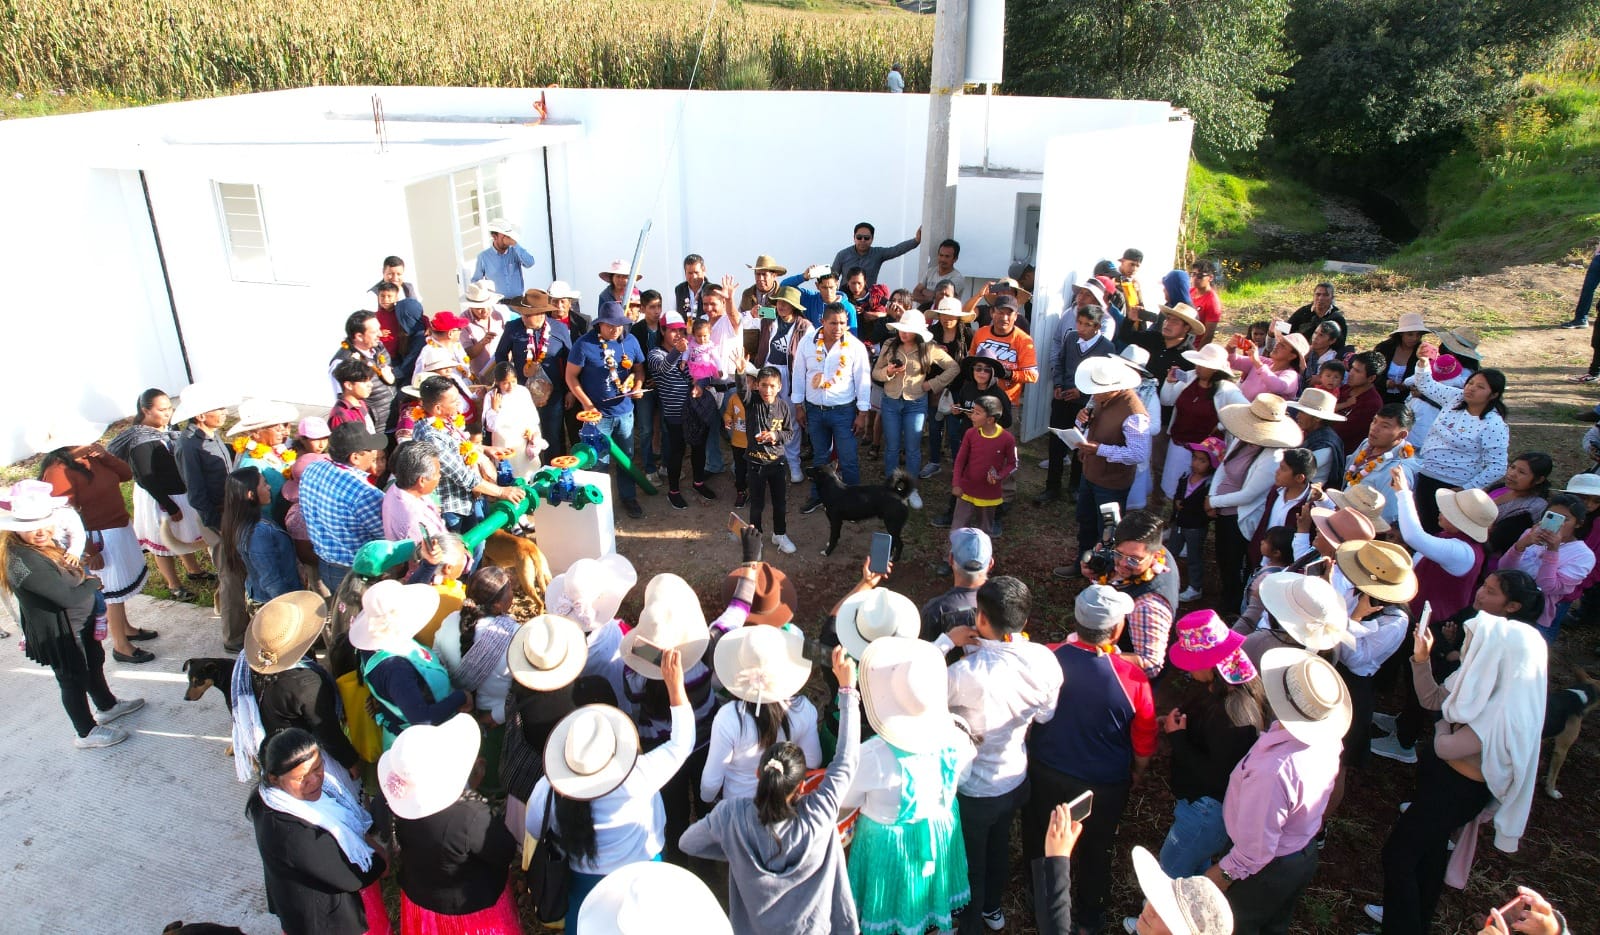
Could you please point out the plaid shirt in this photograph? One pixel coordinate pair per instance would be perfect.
(456, 479)
(342, 510)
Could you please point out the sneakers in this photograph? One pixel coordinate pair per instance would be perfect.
(1390, 749)
(676, 499)
(1191, 593)
(995, 920)
(996, 528)
(1576, 324)
(1583, 378)
(1044, 465)
(914, 501)
(942, 521)
(633, 509)
(812, 505)
(1374, 912)
(1383, 722)
(100, 737)
(124, 707)
(705, 491)
(740, 498)
(784, 543)
(928, 470)
(1065, 572)
(795, 476)
(1130, 924)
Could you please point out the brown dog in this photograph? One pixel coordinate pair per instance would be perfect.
(1563, 719)
(526, 563)
(206, 673)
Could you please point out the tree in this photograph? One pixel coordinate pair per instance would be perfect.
(1218, 58)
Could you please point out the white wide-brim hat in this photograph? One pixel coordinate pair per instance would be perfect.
(641, 898)
(591, 751)
(1211, 357)
(30, 506)
(63, 430)
(874, 614)
(904, 693)
(1319, 403)
(547, 653)
(391, 614)
(1471, 511)
(912, 321)
(1106, 375)
(1186, 905)
(762, 664)
(1307, 695)
(671, 619)
(591, 590)
(1583, 485)
(1308, 609)
(426, 769)
(480, 294)
(197, 399)
(1263, 421)
(260, 413)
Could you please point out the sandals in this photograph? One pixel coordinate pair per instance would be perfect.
(140, 635)
(180, 594)
(139, 656)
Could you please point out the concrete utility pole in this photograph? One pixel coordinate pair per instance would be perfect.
(944, 146)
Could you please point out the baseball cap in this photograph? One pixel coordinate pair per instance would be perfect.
(313, 427)
(1101, 607)
(673, 320)
(970, 549)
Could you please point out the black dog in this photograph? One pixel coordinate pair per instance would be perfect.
(208, 672)
(864, 501)
(200, 928)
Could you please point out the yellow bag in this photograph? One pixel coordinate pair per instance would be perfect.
(364, 733)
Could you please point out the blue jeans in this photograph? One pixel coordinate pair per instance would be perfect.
(644, 424)
(1197, 835)
(1591, 282)
(1090, 498)
(830, 429)
(902, 422)
(620, 428)
(332, 574)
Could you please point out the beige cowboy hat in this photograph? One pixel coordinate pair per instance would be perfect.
(282, 630)
(547, 653)
(1409, 322)
(873, 614)
(1185, 313)
(1307, 695)
(671, 619)
(426, 769)
(1185, 905)
(591, 590)
(1471, 511)
(174, 543)
(1378, 569)
(1462, 342)
(912, 322)
(904, 693)
(1211, 357)
(480, 294)
(630, 901)
(1319, 403)
(1105, 375)
(950, 307)
(260, 413)
(766, 264)
(1297, 341)
(618, 268)
(1263, 421)
(64, 430)
(1308, 609)
(1368, 501)
(591, 752)
(391, 614)
(762, 664)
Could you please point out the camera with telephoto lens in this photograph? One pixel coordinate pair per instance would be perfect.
(1102, 559)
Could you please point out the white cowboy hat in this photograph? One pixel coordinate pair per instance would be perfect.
(1319, 403)
(1211, 357)
(904, 693)
(1094, 288)
(1366, 500)
(260, 413)
(391, 614)
(1308, 609)
(1185, 313)
(547, 653)
(425, 770)
(1583, 485)
(618, 268)
(1307, 695)
(1105, 375)
(64, 430)
(950, 307)
(912, 321)
(1138, 358)
(1263, 421)
(1186, 905)
(631, 901)
(414, 388)
(197, 399)
(761, 664)
(31, 507)
(480, 294)
(873, 614)
(560, 289)
(282, 630)
(591, 751)
(591, 590)
(1470, 511)
(502, 226)
(671, 619)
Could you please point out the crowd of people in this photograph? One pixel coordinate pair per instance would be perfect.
(1278, 534)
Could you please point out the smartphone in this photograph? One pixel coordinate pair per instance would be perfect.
(1551, 523)
(878, 558)
(768, 312)
(427, 537)
(735, 524)
(813, 651)
(1079, 808)
(648, 651)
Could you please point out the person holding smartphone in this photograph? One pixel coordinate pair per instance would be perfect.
(1554, 556)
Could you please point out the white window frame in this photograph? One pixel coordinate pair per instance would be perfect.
(477, 200)
(269, 270)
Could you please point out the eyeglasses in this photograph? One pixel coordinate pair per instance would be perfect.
(863, 236)
(1129, 560)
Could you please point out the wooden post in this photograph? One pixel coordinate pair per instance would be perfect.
(943, 164)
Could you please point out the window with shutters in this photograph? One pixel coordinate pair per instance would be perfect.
(478, 201)
(248, 236)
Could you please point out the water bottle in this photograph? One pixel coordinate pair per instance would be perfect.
(504, 476)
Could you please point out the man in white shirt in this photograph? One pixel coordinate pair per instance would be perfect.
(833, 381)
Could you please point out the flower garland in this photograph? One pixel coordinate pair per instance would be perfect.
(456, 428)
(838, 371)
(249, 447)
(1366, 462)
(535, 352)
(610, 357)
(381, 356)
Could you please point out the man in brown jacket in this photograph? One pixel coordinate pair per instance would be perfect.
(1116, 429)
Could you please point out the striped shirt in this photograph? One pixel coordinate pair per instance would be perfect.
(342, 510)
(672, 382)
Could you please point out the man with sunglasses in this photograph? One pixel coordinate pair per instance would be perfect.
(861, 253)
(1142, 569)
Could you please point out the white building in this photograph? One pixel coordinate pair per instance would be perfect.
(227, 239)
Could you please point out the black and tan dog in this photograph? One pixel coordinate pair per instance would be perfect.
(1563, 719)
(857, 502)
(209, 672)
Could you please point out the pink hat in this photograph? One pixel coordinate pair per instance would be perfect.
(447, 321)
(1212, 446)
(313, 428)
(1446, 367)
(1201, 640)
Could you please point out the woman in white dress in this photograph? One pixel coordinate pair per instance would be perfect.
(159, 496)
(512, 420)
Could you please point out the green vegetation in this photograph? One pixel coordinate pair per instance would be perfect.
(1225, 214)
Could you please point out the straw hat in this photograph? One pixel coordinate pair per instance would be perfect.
(1186, 905)
(547, 653)
(775, 598)
(1105, 375)
(904, 693)
(766, 264)
(62, 431)
(671, 619)
(631, 900)
(282, 630)
(31, 507)
(426, 769)
(1185, 313)
(1378, 569)
(1583, 485)
(1307, 695)
(789, 296)
(591, 590)
(197, 399)
(950, 307)
(591, 751)
(912, 321)
(261, 413)
(170, 539)
(480, 294)
(1211, 357)
(1368, 501)
(762, 664)
(874, 614)
(1308, 608)
(391, 614)
(618, 268)
(1342, 525)
(1318, 403)
(1201, 641)
(1471, 511)
(1263, 421)
(1462, 342)
(1409, 322)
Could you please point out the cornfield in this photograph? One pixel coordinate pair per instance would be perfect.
(151, 50)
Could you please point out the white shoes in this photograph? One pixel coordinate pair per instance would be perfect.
(1191, 593)
(915, 500)
(784, 544)
(1130, 924)
(795, 477)
(100, 737)
(121, 708)
(1374, 912)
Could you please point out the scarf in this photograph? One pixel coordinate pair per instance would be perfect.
(337, 811)
(248, 734)
(136, 435)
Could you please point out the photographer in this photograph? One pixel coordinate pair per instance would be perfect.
(1133, 561)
